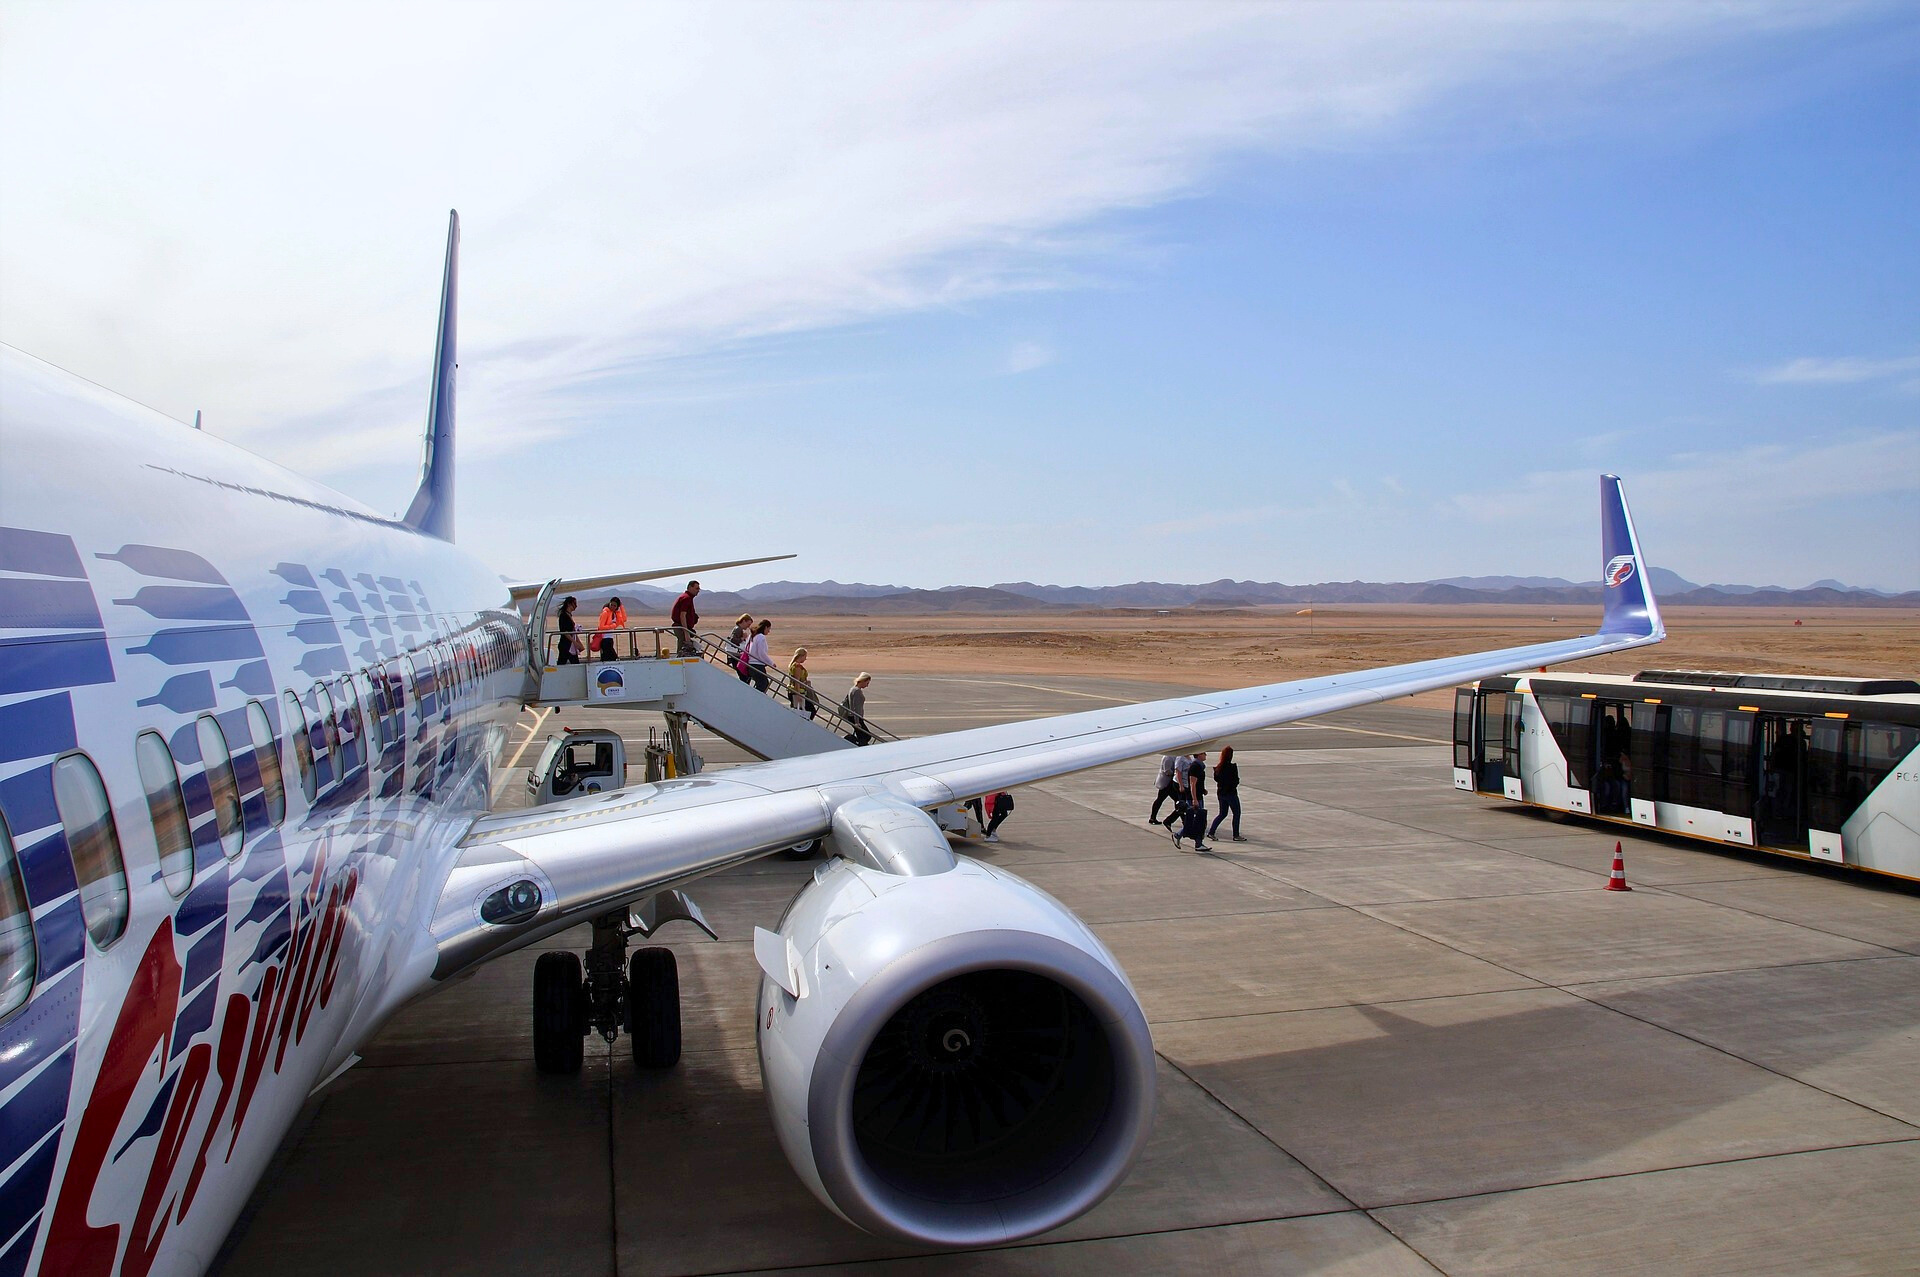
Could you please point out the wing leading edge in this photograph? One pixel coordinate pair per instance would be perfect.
(589, 855)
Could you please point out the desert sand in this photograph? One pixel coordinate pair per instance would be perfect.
(1240, 647)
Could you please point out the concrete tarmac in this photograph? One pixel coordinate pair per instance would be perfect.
(1401, 1029)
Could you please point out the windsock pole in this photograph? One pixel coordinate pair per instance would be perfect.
(1617, 880)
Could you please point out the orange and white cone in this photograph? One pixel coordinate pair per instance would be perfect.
(1617, 880)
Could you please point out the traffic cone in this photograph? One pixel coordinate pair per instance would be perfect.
(1617, 880)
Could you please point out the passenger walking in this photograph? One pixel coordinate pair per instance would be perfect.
(1226, 779)
(1193, 817)
(613, 617)
(1182, 763)
(800, 684)
(569, 645)
(1169, 786)
(757, 656)
(735, 645)
(853, 709)
(1001, 807)
(685, 617)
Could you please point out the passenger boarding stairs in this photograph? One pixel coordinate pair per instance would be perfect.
(649, 672)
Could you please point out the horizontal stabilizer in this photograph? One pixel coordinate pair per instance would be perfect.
(530, 590)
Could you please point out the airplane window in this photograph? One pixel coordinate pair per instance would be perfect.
(269, 756)
(297, 732)
(226, 794)
(171, 832)
(377, 703)
(413, 681)
(19, 960)
(346, 715)
(94, 844)
(329, 726)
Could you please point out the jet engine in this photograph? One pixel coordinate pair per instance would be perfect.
(951, 1057)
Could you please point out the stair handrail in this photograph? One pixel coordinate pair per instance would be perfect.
(720, 651)
(663, 643)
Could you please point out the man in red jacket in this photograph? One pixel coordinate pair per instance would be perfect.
(685, 618)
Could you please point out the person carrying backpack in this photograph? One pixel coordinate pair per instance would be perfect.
(1000, 806)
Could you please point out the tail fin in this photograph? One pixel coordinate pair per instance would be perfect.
(432, 508)
(1630, 605)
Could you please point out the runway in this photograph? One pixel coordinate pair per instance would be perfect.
(1401, 1030)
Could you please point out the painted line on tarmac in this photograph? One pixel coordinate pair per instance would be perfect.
(514, 762)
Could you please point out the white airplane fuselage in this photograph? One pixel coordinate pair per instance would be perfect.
(151, 575)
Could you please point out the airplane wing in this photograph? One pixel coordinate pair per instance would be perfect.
(588, 855)
(523, 591)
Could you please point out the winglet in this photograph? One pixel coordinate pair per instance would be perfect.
(432, 508)
(1630, 605)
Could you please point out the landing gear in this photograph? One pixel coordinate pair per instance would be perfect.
(559, 1019)
(641, 995)
(653, 1008)
(804, 850)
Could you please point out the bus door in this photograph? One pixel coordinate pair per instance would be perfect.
(1497, 737)
(1612, 757)
(1780, 803)
(1646, 758)
(1489, 743)
(1464, 767)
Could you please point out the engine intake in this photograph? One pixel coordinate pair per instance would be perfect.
(965, 1065)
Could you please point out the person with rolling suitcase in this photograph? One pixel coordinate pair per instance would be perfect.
(1193, 810)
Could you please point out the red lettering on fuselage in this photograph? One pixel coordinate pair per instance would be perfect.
(74, 1246)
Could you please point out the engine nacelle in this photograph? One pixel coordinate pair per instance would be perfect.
(965, 1062)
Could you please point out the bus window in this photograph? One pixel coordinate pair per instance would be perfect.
(268, 755)
(220, 783)
(172, 834)
(1569, 718)
(19, 956)
(1883, 747)
(299, 733)
(94, 844)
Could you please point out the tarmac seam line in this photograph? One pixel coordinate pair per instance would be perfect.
(843, 1265)
(1735, 1055)
(1651, 1170)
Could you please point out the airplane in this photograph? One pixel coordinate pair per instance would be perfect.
(247, 732)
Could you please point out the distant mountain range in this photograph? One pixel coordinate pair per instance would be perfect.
(855, 598)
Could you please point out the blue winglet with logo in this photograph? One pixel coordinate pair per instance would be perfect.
(1630, 606)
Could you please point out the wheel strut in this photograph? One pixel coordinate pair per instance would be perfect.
(641, 996)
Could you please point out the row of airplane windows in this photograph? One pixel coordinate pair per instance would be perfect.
(93, 836)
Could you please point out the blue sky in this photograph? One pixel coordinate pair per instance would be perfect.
(1008, 293)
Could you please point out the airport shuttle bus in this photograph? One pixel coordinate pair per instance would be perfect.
(1820, 768)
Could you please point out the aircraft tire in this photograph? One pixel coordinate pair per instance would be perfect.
(803, 850)
(559, 1027)
(653, 1007)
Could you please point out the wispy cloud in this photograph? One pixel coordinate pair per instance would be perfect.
(1844, 370)
(1027, 356)
(250, 224)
